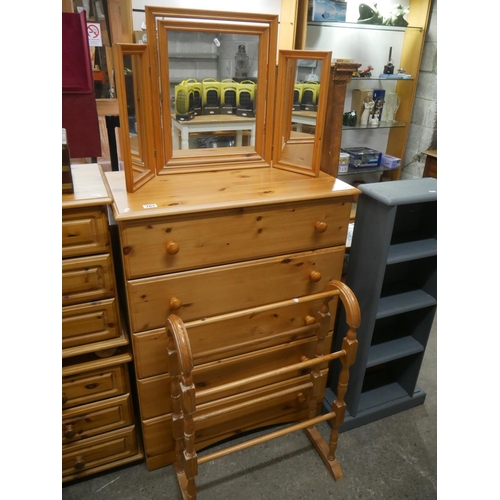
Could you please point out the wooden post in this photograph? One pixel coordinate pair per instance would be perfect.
(340, 76)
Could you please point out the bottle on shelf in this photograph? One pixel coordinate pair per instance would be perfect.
(389, 67)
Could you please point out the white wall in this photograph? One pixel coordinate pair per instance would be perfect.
(260, 6)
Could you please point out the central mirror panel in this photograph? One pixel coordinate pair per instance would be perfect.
(212, 75)
(303, 83)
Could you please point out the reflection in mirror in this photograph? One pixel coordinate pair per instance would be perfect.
(303, 80)
(212, 84)
(135, 104)
(212, 73)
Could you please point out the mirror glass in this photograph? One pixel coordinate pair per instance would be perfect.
(215, 71)
(303, 77)
(212, 86)
(135, 104)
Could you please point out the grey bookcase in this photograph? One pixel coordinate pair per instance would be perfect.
(392, 271)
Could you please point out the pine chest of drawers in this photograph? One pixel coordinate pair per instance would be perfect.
(210, 243)
(98, 425)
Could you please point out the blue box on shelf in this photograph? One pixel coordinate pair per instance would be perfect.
(363, 157)
(327, 11)
(390, 161)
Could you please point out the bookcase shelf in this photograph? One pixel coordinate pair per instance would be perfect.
(392, 270)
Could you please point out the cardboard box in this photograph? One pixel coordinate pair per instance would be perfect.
(390, 161)
(358, 98)
(327, 11)
(211, 97)
(363, 157)
(228, 93)
(310, 94)
(184, 110)
(297, 96)
(245, 98)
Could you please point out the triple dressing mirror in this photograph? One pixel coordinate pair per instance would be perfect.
(202, 95)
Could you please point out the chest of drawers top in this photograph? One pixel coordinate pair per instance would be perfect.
(90, 185)
(195, 193)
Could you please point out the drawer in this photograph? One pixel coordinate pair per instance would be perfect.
(157, 432)
(239, 336)
(94, 385)
(96, 418)
(94, 452)
(227, 370)
(90, 322)
(164, 245)
(207, 292)
(85, 232)
(87, 278)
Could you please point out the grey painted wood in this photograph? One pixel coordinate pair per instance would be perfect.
(392, 269)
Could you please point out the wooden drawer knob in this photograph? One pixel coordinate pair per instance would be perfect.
(64, 398)
(320, 226)
(315, 276)
(301, 398)
(175, 304)
(69, 431)
(310, 320)
(172, 247)
(79, 463)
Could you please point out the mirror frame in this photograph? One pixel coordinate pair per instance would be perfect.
(159, 20)
(133, 180)
(287, 65)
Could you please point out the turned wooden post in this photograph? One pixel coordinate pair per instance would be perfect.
(340, 76)
(323, 319)
(183, 403)
(350, 346)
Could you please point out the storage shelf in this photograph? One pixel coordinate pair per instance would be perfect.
(394, 349)
(193, 55)
(375, 127)
(404, 302)
(364, 170)
(374, 78)
(420, 249)
(378, 27)
(376, 404)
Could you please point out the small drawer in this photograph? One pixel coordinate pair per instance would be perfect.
(94, 452)
(227, 370)
(179, 243)
(85, 232)
(90, 322)
(96, 418)
(87, 278)
(95, 385)
(207, 292)
(209, 342)
(157, 432)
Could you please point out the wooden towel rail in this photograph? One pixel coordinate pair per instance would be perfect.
(184, 395)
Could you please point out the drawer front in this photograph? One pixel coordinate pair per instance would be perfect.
(87, 278)
(198, 294)
(157, 432)
(159, 246)
(99, 450)
(227, 370)
(90, 322)
(85, 232)
(96, 418)
(94, 385)
(239, 336)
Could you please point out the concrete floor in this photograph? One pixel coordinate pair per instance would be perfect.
(392, 458)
